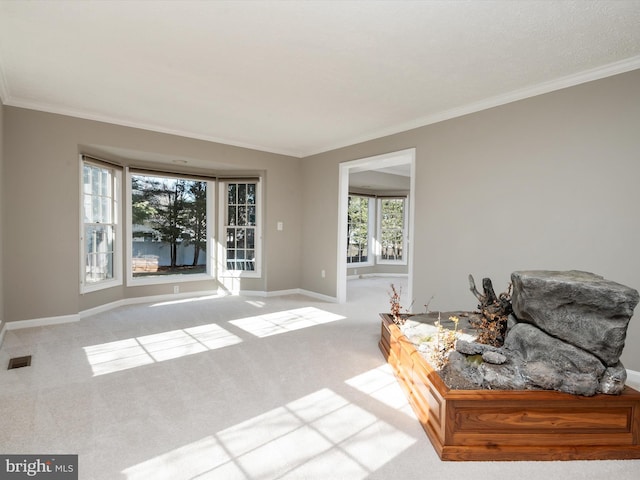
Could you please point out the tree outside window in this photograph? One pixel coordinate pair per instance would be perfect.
(358, 216)
(392, 229)
(169, 225)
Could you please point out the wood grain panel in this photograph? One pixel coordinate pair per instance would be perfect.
(475, 425)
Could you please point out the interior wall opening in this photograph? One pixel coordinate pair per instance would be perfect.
(376, 220)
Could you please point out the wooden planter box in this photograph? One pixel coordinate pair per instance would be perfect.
(512, 424)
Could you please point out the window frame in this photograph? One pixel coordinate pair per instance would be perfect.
(116, 223)
(221, 253)
(371, 230)
(170, 278)
(405, 231)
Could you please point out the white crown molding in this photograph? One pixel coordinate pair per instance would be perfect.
(615, 68)
(598, 73)
(71, 112)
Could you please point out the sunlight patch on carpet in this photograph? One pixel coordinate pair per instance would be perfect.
(381, 384)
(321, 435)
(138, 351)
(285, 321)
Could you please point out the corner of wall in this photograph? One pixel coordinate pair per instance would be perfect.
(2, 324)
(633, 379)
(2, 332)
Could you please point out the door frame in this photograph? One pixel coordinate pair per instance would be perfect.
(401, 157)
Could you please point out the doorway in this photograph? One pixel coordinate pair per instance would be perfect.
(394, 164)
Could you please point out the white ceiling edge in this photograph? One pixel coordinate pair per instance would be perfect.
(598, 73)
(615, 68)
(44, 107)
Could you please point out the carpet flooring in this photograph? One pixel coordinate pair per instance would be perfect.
(232, 388)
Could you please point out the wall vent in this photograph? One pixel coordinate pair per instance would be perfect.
(19, 362)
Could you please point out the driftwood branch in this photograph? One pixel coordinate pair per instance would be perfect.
(494, 311)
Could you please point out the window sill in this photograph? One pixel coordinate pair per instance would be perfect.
(391, 262)
(240, 274)
(96, 287)
(165, 279)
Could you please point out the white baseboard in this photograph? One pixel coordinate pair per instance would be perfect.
(148, 299)
(42, 322)
(371, 275)
(318, 296)
(292, 291)
(282, 293)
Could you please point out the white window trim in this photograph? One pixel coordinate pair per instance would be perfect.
(222, 271)
(176, 278)
(405, 234)
(371, 234)
(118, 227)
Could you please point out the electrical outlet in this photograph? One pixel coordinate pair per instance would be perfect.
(323, 274)
(176, 289)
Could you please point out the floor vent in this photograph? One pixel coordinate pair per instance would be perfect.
(19, 362)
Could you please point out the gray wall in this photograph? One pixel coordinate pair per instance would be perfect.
(550, 182)
(41, 222)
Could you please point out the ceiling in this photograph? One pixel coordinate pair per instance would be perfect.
(302, 77)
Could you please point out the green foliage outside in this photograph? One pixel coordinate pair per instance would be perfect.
(358, 229)
(391, 223)
(392, 231)
(176, 210)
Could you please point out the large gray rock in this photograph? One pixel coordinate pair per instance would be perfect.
(552, 364)
(581, 308)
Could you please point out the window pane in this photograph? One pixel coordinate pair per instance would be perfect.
(105, 210)
(99, 267)
(105, 183)
(99, 238)
(98, 204)
(251, 238)
(231, 194)
(95, 180)
(240, 237)
(87, 209)
(392, 228)
(231, 216)
(242, 215)
(358, 229)
(172, 211)
(231, 237)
